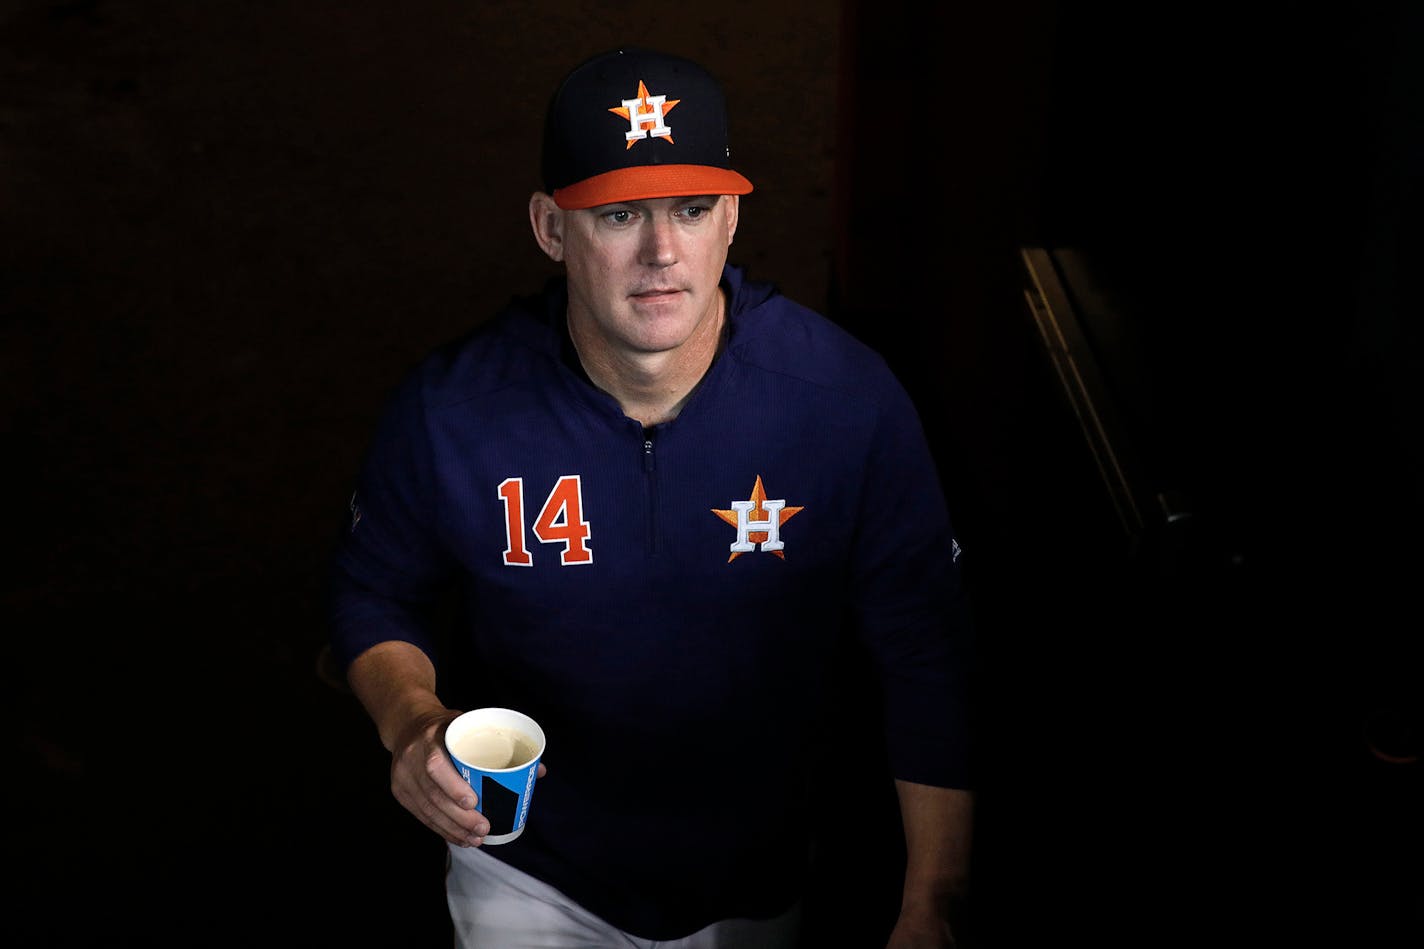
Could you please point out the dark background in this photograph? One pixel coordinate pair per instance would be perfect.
(228, 227)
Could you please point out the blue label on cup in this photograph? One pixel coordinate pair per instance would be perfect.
(503, 797)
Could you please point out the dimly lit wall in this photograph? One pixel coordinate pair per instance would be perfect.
(1169, 754)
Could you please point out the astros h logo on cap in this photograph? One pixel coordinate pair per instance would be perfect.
(611, 133)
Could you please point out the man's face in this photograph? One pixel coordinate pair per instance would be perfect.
(643, 275)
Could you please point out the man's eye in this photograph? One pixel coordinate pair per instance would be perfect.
(621, 216)
(694, 211)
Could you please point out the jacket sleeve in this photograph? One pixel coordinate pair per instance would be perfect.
(390, 565)
(910, 603)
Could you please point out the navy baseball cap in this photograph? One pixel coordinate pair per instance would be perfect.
(631, 124)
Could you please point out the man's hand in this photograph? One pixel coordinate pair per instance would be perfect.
(425, 782)
(395, 682)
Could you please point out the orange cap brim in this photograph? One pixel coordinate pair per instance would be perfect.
(650, 181)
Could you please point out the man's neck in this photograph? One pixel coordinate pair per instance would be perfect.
(652, 388)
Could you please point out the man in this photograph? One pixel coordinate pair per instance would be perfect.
(660, 490)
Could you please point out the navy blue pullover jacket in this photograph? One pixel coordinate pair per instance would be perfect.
(613, 583)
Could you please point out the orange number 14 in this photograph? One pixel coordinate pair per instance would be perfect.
(560, 521)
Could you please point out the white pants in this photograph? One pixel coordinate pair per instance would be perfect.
(496, 906)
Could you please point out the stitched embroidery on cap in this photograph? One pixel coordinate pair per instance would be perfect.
(646, 116)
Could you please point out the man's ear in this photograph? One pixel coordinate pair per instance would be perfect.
(734, 206)
(547, 220)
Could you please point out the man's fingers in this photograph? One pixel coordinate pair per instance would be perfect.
(459, 825)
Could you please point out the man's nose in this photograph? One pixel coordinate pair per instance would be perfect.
(659, 242)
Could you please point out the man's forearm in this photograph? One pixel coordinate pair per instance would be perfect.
(395, 683)
(938, 831)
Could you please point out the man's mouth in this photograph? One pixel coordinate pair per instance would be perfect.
(653, 294)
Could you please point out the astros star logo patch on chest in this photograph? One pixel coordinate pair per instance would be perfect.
(758, 522)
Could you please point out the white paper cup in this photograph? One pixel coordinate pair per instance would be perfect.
(497, 750)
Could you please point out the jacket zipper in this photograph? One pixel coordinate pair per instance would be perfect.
(650, 474)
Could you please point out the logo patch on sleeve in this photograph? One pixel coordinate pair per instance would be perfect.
(758, 522)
